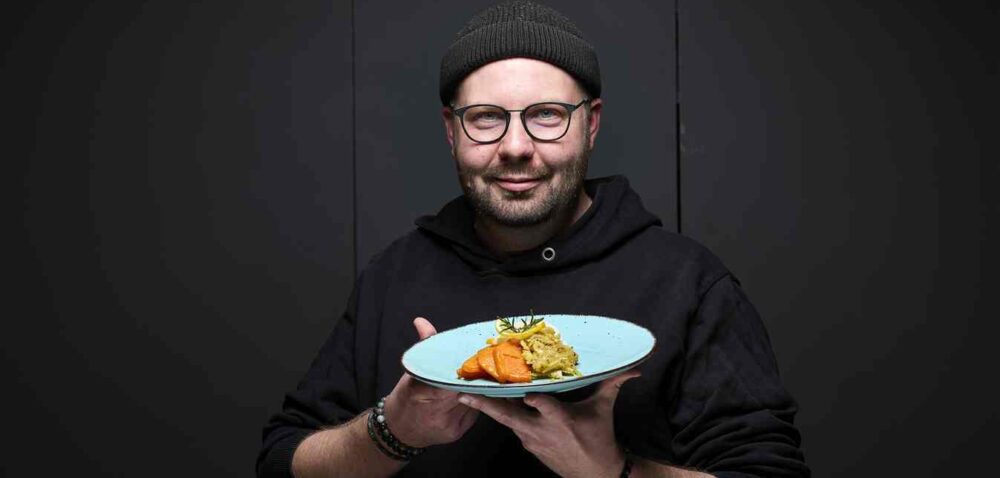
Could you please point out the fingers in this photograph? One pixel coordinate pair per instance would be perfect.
(549, 407)
(422, 392)
(417, 391)
(608, 390)
(505, 413)
(424, 327)
(468, 418)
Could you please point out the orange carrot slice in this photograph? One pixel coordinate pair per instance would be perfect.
(510, 363)
(485, 359)
(471, 370)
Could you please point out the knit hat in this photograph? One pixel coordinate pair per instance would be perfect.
(519, 29)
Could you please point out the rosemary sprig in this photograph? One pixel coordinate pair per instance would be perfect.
(508, 324)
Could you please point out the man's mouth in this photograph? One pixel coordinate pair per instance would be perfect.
(518, 183)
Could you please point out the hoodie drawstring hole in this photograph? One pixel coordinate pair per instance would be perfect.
(549, 254)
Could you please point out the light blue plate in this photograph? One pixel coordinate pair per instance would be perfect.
(606, 347)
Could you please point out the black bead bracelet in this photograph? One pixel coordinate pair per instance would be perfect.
(396, 449)
(374, 436)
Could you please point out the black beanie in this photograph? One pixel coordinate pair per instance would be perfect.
(519, 29)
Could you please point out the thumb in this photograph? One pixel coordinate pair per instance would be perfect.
(424, 327)
(607, 391)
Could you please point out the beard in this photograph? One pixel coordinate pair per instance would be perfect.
(531, 207)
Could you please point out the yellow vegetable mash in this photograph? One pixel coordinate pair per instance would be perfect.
(548, 356)
(541, 346)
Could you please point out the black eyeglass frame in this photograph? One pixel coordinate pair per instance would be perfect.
(570, 109)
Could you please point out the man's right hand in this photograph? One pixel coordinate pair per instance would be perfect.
(420, 415)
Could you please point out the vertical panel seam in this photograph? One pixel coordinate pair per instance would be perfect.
(354, 147)
(678, 149)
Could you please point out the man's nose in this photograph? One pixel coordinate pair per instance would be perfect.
(516, 144)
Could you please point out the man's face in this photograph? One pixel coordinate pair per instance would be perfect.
(519, 181)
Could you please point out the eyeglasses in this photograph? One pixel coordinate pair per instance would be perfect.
(487, 124)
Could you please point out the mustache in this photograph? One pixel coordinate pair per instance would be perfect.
(494, 173)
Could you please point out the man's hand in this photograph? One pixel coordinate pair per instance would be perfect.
(572, 439)
(420, 415)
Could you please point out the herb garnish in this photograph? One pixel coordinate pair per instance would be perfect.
(508, 324)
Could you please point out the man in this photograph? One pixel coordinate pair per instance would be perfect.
(522, 110)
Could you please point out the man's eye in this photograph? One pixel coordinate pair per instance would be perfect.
(546, 115)
(486, 116)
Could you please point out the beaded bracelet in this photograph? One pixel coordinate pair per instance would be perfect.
(400, 450)
(371, 433)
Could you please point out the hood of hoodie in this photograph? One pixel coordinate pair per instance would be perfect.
(615, 214)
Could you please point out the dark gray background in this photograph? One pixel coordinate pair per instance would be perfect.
(197, 183)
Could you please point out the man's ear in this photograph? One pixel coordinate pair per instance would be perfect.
(449, 127)
(595, 120)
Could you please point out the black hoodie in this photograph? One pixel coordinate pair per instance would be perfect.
(709, 397)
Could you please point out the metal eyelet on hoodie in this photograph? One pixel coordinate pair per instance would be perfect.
(549, 254)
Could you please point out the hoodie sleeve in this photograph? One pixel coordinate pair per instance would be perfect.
(326, 396)
(731, 416)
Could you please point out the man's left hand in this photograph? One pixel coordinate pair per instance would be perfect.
(572, 439)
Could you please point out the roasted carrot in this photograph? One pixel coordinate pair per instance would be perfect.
(471, 370)
(486, 363)
(510, 364)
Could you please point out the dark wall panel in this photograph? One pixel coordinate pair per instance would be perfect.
(835, 156)
(403, 162)
(187, 216)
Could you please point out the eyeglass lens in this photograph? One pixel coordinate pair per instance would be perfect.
(545, 122)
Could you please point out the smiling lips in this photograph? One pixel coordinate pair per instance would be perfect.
(515, 184)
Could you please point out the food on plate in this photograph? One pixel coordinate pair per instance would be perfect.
(471, 369)
(524, 350)
(548, 356)
(511, 365)
(485, 360)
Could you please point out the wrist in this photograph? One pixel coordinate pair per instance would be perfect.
(611, 466)
(383, 436)
(393, 413)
